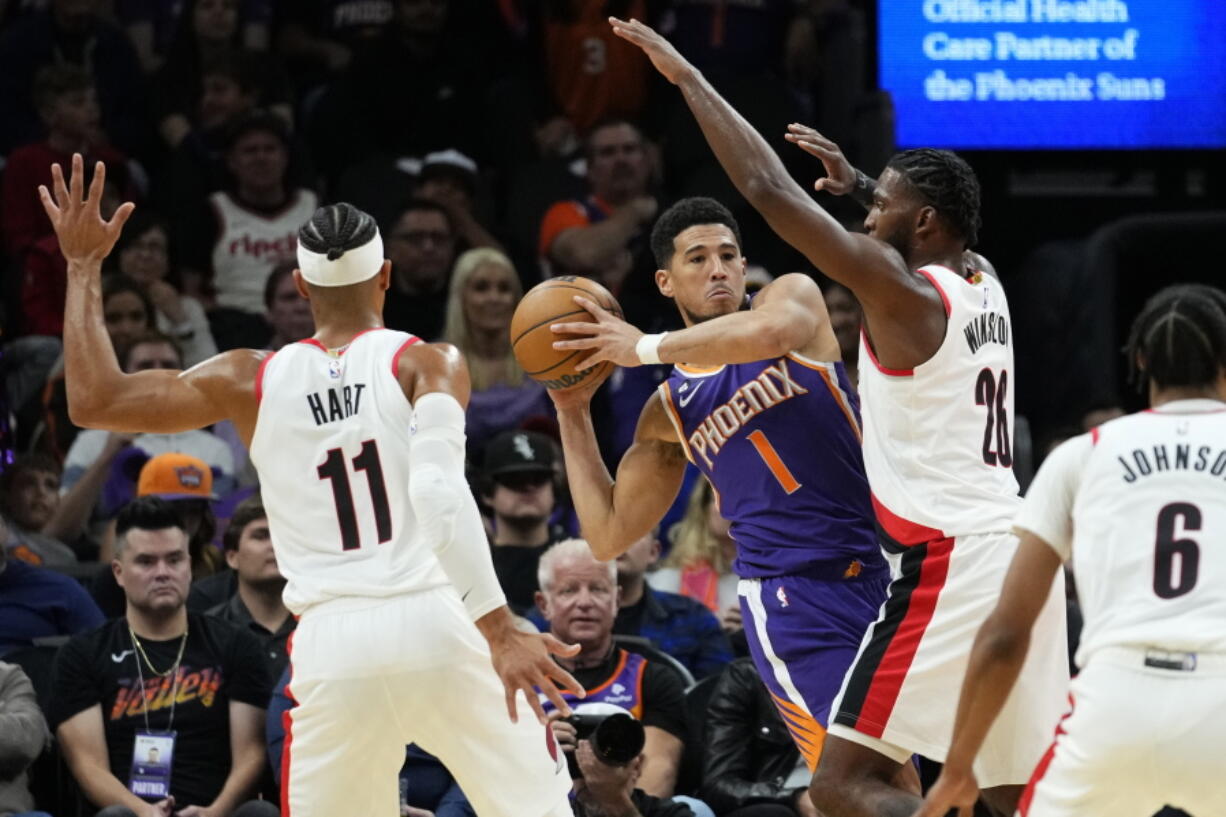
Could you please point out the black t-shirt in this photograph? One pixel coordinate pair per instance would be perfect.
(422, 315)
(221, 663)
(516, 568)
(629, 619)
(663, 692)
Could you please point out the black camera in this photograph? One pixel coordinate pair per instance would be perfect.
(616, 737)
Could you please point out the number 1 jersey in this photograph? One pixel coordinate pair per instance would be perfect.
(331, 445)
(938, 439)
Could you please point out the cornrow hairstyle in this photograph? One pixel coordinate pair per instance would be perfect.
(1180, 335)
(683, 215)
(944, 180)
(336, 228)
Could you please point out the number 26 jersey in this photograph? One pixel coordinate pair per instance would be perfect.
(331, 446)
(938, 439)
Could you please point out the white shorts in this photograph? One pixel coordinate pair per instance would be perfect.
(901, 694)
(1137, 738)
(370, 676)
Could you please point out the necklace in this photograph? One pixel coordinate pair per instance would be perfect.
(141, 649)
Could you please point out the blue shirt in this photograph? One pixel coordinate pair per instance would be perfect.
(39, 603)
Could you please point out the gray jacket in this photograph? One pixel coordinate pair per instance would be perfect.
(23, 735)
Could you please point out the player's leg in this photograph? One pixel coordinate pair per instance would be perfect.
(1189, 712)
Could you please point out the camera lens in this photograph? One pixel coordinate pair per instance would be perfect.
(618, 739)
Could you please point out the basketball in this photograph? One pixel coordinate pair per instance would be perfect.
(532, 340)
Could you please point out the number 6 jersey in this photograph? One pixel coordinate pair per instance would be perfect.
(779, 440)
(331, 445)
(938, 439)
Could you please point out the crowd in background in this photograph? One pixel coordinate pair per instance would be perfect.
(497, 144)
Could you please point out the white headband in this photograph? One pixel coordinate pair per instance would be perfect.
(356, 265)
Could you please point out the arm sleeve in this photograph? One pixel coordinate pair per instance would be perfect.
(560, 217)
(23, 732)
(250, 677)
(1047, 510)
(444, 506)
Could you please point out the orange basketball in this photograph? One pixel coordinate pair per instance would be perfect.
(532, 340)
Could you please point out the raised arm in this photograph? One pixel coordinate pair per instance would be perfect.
(100, 395)
(788, 315)
(615, 514)
(870, 268)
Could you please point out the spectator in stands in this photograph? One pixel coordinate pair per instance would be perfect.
(676, 624)
(600, 235)
(483, 294)
(421, 246)
(37, 603)
(320, 37)
(288, 313)
(845, 319)
(67, 104)
(143, 254)
(449, 178)
(608, 789)
(72, 32)
(152, 26)
(207, 29)
(578, 598)
(43, 526)
(237, 236)
(23, 736)
(699, 564)
(256, 606)
(212, 672)
(751, 766)
(518, 484)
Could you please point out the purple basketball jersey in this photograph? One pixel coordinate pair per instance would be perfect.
(780, 441)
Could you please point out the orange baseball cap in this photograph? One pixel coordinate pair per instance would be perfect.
(176, 476)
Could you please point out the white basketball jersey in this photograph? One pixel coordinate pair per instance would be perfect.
(938, 439)
(1139, 505)
(331, 445)
(250, 244)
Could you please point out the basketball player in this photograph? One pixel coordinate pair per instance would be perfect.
(358, 436)
(935, 377)
(774, 426)
(1138, 506)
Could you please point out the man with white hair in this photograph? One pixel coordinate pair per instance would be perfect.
(358, 437)
(579, 598)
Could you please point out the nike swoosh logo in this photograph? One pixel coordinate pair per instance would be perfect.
(118, 657)
(684, 399)
(466, 592)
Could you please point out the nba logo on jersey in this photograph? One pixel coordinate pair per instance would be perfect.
(334, 369)
(782, 596)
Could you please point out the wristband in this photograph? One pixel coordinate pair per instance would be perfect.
(648, 348)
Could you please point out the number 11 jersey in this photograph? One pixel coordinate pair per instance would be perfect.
(938, 439)
(331, 446)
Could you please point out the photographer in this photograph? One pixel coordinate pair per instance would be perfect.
(606, 790)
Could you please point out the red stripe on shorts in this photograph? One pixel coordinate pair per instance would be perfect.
(903, 531)
(892, 671)
(1023, 805)
(287, 723)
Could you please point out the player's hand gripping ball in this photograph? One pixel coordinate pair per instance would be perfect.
(551, 302)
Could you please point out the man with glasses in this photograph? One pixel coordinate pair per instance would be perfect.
(422, 247)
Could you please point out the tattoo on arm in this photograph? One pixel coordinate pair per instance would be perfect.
(863, 190)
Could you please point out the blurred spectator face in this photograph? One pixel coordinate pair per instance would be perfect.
(446, 190)
(489, 298)
(523, 497)
(422, 18)
(75, 114)
(145, 356)
(638, 557)
(222, 100)
(216, 20)
(845, 317)
(617, 166)
(581, 601)
(290, 314)
(253, 559)
(125, 317)
(33, 498)
(422, 249)
(73, 15)
(154, 569)
(258, 159)
(146, 259)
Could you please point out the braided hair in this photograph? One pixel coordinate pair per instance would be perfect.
(1181, 337)
(336, 228)
(945, 181)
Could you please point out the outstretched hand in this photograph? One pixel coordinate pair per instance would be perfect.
(523, 661)
(840, 178)
(953, 789)
(84, 235)
(667, 60)
(608, 337)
